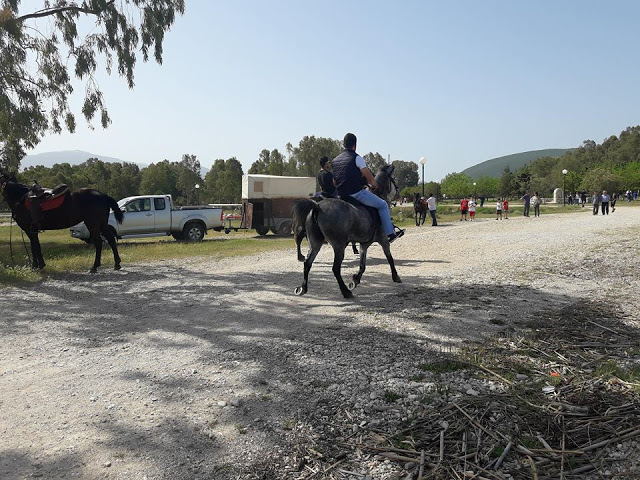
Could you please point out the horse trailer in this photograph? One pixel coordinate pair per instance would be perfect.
(267, 201)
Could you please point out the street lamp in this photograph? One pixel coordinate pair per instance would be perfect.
(197, 194)
(423, 160)
(564, 177)
(474, 190)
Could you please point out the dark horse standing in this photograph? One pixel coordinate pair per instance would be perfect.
(339, 223)
(420, 209)
(84, 205)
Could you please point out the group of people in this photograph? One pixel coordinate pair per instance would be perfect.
(502, 207)
(602, 201)
(347, 175)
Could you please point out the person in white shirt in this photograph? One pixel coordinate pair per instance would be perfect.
(499, 209)
(604, 202)
(472, 210)
(431, 205)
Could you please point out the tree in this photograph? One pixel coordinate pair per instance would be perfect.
(406, 173)
(158, 179)
(187, 177)
(309, 151)
(223, 183)
(269, 163)
(456, 185)
(507, 183)
(375, 161)
(38, 66)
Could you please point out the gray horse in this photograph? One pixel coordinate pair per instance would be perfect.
(338, 223)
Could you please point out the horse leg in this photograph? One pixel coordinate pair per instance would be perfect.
(37, 260)
(355, 249)
(311, 256)
(338, 257)
(363, 261)
(417, 218)
(108, 234)
(299, 237)
(387, 253)
(97, 242)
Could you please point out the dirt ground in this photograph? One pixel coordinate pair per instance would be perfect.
(202, 369)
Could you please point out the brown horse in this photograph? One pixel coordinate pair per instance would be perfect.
(420, 209)
(84, 205)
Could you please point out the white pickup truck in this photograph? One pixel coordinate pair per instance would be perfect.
(155, 215)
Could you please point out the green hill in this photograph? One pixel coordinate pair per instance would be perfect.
(495, 166)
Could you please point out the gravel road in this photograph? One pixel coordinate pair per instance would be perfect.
(214, 369)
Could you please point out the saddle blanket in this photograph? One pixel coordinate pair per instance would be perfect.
(47, 203)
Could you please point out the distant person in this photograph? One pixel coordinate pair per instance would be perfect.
(604, 202)
(325, 179)
(595, 200)
(472, 210)
(577, 199)
(431, 204)
(464, 209)
(583, 198)
(505, 208)
(481, 201)
(527, 203)
(570, 199)
(499, 209)
(536, 201)
(614, 199)
(351, 174)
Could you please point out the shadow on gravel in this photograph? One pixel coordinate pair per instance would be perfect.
(286, 361)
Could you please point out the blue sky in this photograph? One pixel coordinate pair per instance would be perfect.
(458, 82)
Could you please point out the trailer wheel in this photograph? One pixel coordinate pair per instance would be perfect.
(262, 230)
(193, 232)
(284, 229)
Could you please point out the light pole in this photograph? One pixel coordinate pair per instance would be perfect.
(474, 190)
(197, 193)
(564, 177)
(423, 160)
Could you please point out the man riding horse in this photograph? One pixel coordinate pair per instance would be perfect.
(351, 175)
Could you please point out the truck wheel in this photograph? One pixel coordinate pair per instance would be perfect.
(193, 232)
(284, 229)
(262, 230)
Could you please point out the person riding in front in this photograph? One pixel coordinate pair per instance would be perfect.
(351, 175)
(325, 179)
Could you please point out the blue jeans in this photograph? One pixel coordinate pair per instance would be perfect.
(372, 200)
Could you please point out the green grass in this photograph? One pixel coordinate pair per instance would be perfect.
(65, 254)
(443, 366)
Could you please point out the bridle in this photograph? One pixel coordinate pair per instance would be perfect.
(391, 181)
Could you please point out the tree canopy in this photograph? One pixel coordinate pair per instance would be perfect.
(39, 67)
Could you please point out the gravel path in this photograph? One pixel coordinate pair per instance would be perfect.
(214, 369)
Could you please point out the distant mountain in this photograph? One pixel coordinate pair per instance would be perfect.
(495, 166)
(74, 157)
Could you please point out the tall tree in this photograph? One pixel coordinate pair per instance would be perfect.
(38, 66)
(309, 151)
(223, 183)
(158, 179)
(406, 173)
(375, 161)
(507, 182)
(187, 177)
(456, 185)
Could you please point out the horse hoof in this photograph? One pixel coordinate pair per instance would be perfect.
(117, 267)
(347, 294)
(352, 285)
(93, 270)
(397, 280)
(301, 258)
(300, 291)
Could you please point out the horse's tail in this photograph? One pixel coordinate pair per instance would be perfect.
(113, 205)
(299, 213)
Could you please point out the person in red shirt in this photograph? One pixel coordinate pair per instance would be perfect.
(505, 208)
(464, 208)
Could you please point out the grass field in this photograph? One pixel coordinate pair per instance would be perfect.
(63, 253)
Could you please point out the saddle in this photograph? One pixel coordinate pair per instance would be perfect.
(50, 198)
